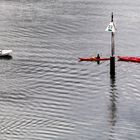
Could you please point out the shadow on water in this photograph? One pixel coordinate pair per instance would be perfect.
(98, 62)
(6, 57)
(113, 107)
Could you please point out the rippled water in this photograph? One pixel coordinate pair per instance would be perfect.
(46, 93)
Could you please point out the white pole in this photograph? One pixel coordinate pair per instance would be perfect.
(112, 58)
(112, 40)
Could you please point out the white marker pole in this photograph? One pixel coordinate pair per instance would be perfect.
(112, 58)
(112, 39)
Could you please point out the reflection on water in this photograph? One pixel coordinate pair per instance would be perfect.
(113, 107)
(7, 57)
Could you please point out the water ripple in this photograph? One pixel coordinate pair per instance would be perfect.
(46, 93)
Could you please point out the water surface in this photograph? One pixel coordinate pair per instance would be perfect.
(46, 93)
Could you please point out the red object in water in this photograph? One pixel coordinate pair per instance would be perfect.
(128, 58)
(93, 59)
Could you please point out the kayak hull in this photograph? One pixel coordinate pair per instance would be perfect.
(129, 59)
(93, 59)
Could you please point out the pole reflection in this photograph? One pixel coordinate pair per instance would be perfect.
(113, 107)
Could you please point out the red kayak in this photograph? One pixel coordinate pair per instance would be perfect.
(93, 59)
(130, 59)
